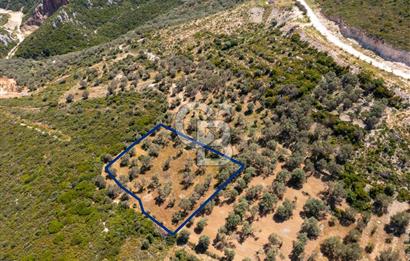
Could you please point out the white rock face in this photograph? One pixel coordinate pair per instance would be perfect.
(13, 28)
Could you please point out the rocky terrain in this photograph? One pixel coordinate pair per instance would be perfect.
(44, 10)
(19, 25)
(10, 34)
(379, 46)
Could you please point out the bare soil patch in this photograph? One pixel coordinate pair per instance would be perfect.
(252, 247)
(256, 15)
(10, 89)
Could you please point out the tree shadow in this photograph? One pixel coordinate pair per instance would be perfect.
(278, 219)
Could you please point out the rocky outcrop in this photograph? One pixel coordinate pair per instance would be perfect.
(44, 10)
(378, 46)
(50, 6)
(37, 18)
(6, 39)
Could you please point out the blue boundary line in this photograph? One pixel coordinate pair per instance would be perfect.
(218, 189)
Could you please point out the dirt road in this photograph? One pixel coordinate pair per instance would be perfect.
(395, 68)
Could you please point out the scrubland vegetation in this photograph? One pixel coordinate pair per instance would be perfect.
(325, 175)
(16, 5)
(51, 200)
(102, 21)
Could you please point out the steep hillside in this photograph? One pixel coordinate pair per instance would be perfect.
(17, 5)
(42, 11)
(386, 20)
(23, 22)
(82, 24)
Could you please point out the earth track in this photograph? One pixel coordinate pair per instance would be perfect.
(395, 68)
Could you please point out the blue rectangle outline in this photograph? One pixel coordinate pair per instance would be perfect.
(218, 189)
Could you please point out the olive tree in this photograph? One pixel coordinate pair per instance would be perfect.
(232, 221)
(163, 193)
(335, 194)
(203, 244)
(183, 237)
(267, 202)
(351, 252)
(299, 247)
(353, 236)
(145, 163)
(331, 247)
(297, 178)
(279, 188)
(381, 204)
(200, 225)
(398, 223)
(247, 230)
(285, 211)
(272, 247)
(229, 254)
(388, 255)
(314, 208)
(311, 228)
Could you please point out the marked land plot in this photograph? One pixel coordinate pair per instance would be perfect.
(165, 176)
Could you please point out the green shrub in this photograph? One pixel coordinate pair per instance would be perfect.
(54, 226)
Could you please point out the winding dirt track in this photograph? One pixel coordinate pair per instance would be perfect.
(36, 126)
(394, 68)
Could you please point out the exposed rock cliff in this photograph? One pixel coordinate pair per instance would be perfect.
(44, 10)
(50, 6)
(378, 46)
